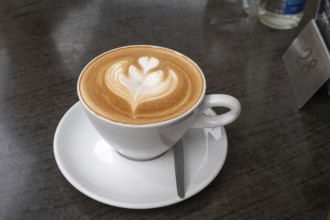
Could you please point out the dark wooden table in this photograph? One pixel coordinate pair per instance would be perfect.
(278, 161)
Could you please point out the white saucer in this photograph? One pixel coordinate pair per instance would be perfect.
(96, 170)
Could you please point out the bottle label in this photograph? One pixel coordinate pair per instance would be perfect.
(294, 7)
(284, 7)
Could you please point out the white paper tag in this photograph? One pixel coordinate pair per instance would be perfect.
(307, 61)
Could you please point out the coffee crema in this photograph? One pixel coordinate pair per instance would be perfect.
(141, 85)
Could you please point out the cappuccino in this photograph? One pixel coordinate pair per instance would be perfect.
(141, 85)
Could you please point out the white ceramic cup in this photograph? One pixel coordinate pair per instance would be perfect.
(148, 141)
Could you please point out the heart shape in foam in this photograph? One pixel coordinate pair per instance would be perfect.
(143, 84)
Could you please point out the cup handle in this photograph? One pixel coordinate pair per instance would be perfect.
(218, 100)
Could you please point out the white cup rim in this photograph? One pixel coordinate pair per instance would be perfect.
(149, 125)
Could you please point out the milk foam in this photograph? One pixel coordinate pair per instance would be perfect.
(138, 84)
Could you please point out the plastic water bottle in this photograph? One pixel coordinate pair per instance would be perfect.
(281, 14)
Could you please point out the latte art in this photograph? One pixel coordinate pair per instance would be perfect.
(140, 84)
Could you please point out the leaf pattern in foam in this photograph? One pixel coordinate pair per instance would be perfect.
(147, 63)
(143, 85)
